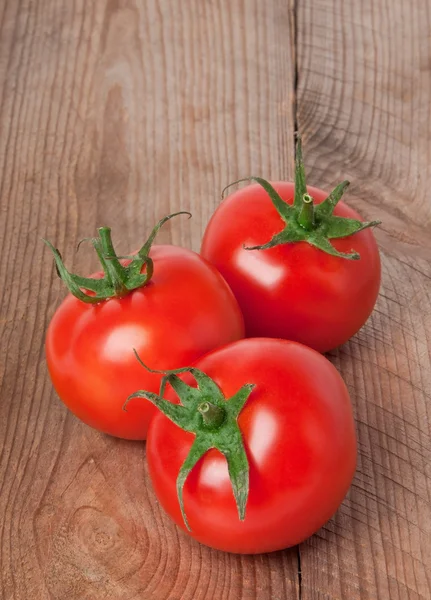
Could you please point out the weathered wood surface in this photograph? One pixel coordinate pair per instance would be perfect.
(117, 112)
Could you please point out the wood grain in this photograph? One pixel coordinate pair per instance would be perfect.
(117, 113)
(363, 103)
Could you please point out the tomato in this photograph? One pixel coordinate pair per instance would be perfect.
(299, 439)
(293, 290)
(184, 311)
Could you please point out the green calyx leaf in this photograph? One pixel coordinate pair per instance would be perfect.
(213, 419)
(118, 280)
(305, 221)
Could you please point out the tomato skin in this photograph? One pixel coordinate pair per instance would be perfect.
(186, 310)
(292, 291)
(299, 436)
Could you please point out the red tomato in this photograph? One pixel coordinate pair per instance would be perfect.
(186, 310)
(299, 437)
(294, 290)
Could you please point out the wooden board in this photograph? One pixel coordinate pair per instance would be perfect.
(117, 112)
(364, 96)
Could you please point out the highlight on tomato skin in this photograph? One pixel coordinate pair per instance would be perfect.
(298, 434)
(180, 309)
(302, 264)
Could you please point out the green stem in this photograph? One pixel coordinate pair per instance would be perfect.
(306, 214)
(212, 415)
(218, 428)
(305, 222)
(118, 280)
(115, 270)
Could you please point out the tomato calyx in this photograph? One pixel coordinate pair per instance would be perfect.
(213, 419)
(118, 280)
(305, 221)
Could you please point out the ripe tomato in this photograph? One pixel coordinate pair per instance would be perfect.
(294, 290)
(299, 439)
(184, 311)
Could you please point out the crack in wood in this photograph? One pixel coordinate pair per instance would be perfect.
(298, 555)
(295, 67)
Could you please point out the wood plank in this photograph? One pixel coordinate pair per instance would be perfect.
(117, 112)
(364, 92)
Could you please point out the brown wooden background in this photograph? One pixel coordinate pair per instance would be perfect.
(118, 112)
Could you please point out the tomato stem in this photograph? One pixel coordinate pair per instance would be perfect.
(306, 222)
(212, 415)
(119, 280)
(217, 428)
(306, 214)
(112, 266)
